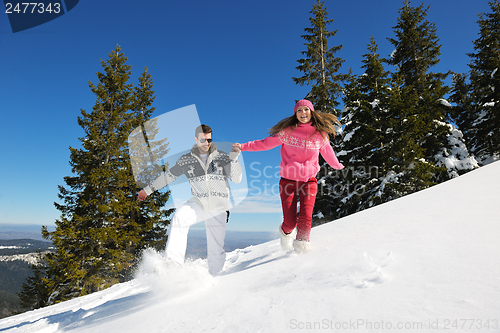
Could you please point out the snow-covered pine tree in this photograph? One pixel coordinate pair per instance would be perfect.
(363, 142)
(406, 169)
(431, 149)
(102, 226)
(461, 111)
(478, 115)
(320, 65)
(320, 68)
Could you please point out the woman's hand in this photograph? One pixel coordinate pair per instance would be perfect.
(236, 147)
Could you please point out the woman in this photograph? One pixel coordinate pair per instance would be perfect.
(302, 137)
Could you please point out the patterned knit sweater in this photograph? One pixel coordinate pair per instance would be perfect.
(300, 149)
(208, 180)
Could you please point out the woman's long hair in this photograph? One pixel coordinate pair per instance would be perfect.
(323, 122)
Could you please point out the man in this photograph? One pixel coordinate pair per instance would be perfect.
(207, 170)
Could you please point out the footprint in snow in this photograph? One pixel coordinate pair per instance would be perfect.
(370, 270)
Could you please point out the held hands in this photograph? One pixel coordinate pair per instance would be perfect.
(236, 147)
(141, 195)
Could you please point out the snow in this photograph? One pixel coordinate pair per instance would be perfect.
(445, 102)
(490, 159)
(427, 262)
(483, 116)
(391, 177)
(375, 103)
(458, 157)
(349, 135)
(30, 258)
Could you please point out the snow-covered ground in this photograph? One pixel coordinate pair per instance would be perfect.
(428, 262)
(30, 258)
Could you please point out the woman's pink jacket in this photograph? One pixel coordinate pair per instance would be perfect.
(300, 149)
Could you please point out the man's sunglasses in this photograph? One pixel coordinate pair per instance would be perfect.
(203, 140)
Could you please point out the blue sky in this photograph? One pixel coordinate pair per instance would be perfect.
(233, 59)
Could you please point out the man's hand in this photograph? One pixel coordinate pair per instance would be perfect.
(141, 195)
(236, 147)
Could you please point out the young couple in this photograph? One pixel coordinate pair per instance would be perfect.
(302, 136)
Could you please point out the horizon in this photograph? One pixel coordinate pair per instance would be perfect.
(195, 232)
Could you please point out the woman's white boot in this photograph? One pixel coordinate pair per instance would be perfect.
(287, 239)
(301, 246)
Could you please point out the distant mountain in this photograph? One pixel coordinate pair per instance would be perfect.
(9, 247)
(16, 255)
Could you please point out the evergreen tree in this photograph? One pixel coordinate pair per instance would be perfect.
(397, 137)
(407, 169)
(102, 226)
(154, 222)
(428, 149)
(366, 137)
(361, 147)
(320, 69)
(478, 113)
(461, 96)
(34, 293)
(320, 66)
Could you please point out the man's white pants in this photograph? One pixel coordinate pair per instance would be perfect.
(215, 224)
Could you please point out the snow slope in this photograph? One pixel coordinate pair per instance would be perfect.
(428, 262)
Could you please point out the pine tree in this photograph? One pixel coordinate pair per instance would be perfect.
(363, 142)
(154, 222)
(430, 149)
(461, 96)
(407, 169)
(34, 293)
(320, 69)
(478, 114)
(397, 137)
(320, 66)
(102, 226)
